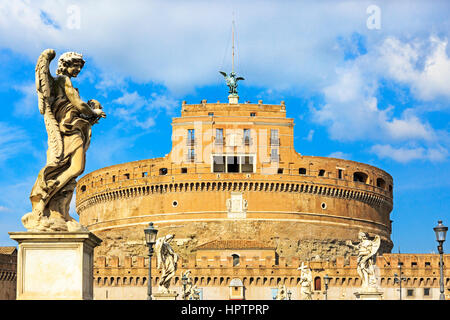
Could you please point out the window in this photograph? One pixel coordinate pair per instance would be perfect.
(83, 188)
(302, 171)
(210, 114)
(113, 178)
(191, 155)
(162, 171)
(274, 140)
(252, 114)
(183, 170)
(191, 137)
(381, 183)
(360, 177)
(321, 173)
(426, 292)
(414, 264)
(235, 260)
(280, 170)
(427, 264)
(219, 136)
(126, 176)
(274, 155)
(232, 164)
(410, 292)
(218, 164)
(144, 174)
(246, 164)
(339, 173)
(247, 136)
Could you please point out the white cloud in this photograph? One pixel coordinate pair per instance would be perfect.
(310, 135)
(339, 155)
(13, 140)
(28, 104)
(141, 111)
(405, 154)
(424, 65)
(279, 45)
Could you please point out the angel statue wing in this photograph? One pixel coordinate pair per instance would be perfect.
(239, 78)
(158, 246)
(375, 245)
(44, 88)
(223, 73)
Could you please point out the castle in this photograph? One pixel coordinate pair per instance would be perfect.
(236, 195)
(246, 210)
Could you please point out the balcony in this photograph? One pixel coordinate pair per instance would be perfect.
(190, 142)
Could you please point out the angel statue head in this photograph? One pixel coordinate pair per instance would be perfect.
(70, 64)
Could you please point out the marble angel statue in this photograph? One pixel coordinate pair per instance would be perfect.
(68, 121)
(166, 260)
(365, 265)
(305, 282)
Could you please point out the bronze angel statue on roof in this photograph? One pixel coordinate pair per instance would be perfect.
(68, 121)
(231, 81)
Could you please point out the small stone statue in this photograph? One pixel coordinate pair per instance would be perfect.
(305, 282)
(68, 121)
(281, 294)
(190, 292)
(231, 82)
(166, 260)
(366, 251)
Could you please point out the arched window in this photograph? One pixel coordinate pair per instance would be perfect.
(317, 284)
(162, 171)
(381, 183)
(235, 260)
(360, 177)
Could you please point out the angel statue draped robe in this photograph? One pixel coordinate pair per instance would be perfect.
(166, 260)
(68, 121)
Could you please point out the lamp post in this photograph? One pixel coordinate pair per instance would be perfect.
(400, 278)
(441, 232)
(184, 280)
(327, 280)
(150, 239)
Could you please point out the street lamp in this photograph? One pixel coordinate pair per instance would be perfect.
(150, 239)
(184, 280)
(441, 232)
(398, 278)
(327, 280)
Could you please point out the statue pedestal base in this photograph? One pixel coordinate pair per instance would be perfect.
(55, 265)
(165, 296)
(233, 99)
(373, 294)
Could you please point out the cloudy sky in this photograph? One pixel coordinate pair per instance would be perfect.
(367, 81)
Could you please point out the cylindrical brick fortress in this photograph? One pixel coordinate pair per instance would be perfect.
(306, 206)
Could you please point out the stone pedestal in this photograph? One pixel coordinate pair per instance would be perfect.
(165, 296)
(369, 295)
(55, 265)
(233, 99)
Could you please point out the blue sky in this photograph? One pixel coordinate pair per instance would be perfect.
(367, 81)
